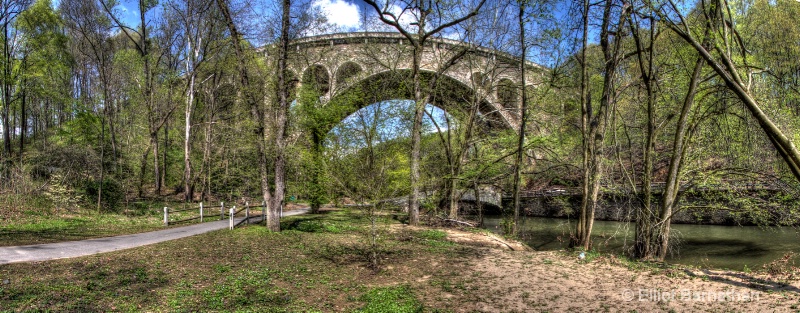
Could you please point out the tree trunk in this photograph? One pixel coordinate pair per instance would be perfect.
(453, 196)
(205, 169)
(580, 228)
(281, 121)
(6, 102)
(416, 135)
(594, 132)
(672, 186)
(23, 121)
(523, 118)
(143, 168)
(273, 212)
(645, 216)
(187, 160)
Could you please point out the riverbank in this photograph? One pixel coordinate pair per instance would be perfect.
(698, 208)
(321, 263)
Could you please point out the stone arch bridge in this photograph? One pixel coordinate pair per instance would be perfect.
(365, 68)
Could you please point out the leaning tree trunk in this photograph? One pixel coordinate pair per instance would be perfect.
(728, 71)
(672, 186)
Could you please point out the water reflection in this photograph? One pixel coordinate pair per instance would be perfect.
(732, 247)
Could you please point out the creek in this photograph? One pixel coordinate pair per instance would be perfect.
(709, 246)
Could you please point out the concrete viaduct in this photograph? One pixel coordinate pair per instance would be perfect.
(377, 66)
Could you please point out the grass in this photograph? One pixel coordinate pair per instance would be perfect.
(26, 226)
(317, 264)
(396, 299)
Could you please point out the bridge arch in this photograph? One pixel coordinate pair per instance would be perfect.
(317, 77)
(346, 72)
(452, 96)
(507, 93)
(348, 58)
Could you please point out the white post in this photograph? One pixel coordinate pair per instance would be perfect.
(233, 210)
(201, 212)
(247, 212)
(166, 216)
(221, 211)
(281, 206)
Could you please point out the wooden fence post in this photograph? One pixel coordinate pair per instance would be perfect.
(166, 216)
(201, 212)
(221, 211)
(247, 212)
(233, 210)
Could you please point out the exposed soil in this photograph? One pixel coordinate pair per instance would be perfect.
(525, 281)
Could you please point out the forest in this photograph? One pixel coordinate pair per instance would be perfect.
(194, 101)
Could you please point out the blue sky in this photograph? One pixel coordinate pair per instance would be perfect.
(392, 122)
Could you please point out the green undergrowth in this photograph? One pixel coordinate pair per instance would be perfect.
(318, 263)
(398, 299)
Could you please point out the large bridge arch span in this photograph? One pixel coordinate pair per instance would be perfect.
(452, 97)
(339, 65)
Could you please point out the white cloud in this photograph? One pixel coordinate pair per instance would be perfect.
(406, 17)
(340, 12)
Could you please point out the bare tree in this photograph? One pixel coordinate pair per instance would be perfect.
(424, 11)
(85, 21)
(199, 30)
(9, 10)
(593, 119)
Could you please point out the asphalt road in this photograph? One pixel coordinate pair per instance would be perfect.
(71, 249)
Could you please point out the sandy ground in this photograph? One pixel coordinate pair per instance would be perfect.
(512, 278)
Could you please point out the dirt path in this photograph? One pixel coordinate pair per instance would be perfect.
(71, 249)
(526, 281)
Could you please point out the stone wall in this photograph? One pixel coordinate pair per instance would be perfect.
(622, 209)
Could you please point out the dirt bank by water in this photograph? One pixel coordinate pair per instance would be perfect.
(526, 281)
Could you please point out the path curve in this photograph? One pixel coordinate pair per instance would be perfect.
(71, 249)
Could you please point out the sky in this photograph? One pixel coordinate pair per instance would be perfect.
(342, 13)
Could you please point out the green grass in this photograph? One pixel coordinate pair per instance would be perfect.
(47, 225)
(318, 263)
(398, 299)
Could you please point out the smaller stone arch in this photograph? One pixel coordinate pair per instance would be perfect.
(317, 77)
(507, 94)
(480, 80)
(346, 71)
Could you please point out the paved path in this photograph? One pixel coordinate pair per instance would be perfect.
(71, 249)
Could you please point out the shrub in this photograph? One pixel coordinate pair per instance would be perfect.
(112, 193)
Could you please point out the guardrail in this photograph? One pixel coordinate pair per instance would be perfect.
(204, 210)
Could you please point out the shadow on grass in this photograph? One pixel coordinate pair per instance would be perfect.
(64, 230)
(92, 287)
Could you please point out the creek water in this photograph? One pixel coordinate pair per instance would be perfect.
(711, 246)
